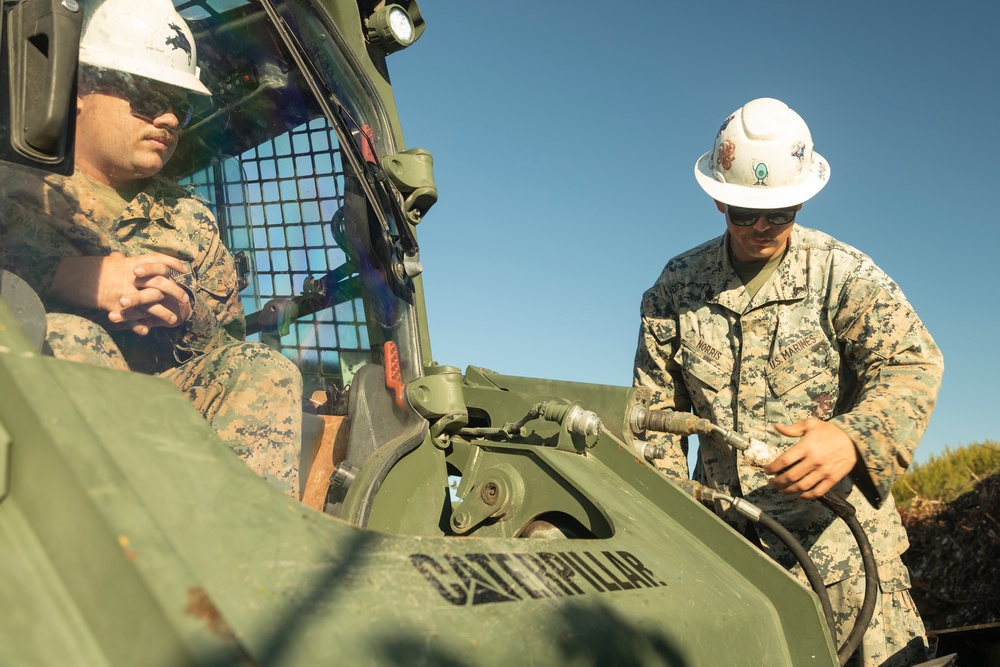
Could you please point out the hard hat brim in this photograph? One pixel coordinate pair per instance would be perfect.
(165, 75)
(762, 197)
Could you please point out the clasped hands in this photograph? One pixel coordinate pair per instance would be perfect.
(137, 293)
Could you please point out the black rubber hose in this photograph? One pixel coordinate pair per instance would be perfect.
(839, 506)
(836, 503)
(808, 567)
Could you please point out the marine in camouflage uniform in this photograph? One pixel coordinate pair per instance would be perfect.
(249, 392)
(826, 336)
(131, 266)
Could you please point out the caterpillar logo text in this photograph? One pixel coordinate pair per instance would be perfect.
(506, 577)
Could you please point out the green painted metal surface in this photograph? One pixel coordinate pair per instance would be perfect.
(133, 536)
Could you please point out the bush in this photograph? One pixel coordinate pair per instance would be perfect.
(946, 476)
(953, 556)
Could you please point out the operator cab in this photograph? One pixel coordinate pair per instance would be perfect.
(290, 154)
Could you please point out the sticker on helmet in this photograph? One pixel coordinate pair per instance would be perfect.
(725, 124)
(821, 169)
(179, 41)
(760, 171)
(726, 155)
(799, 150)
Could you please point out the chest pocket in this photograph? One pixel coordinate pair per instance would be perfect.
(702, 366)
(811, 365)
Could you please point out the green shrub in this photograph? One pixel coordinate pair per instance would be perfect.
(948, 475)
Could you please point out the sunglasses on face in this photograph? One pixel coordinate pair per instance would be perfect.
(149, 100)
(745, 217)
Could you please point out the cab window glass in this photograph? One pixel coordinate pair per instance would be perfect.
(275, 203)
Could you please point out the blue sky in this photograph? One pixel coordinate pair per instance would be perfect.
(565, 135)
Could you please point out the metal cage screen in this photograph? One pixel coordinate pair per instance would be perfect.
(276, 202)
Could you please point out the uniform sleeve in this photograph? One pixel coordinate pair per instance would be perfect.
(30, 246)
(898, 368)
(217, 310)
(656, 370)
(202, 332)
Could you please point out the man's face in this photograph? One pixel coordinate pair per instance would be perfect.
(117, 148)
(759, 241)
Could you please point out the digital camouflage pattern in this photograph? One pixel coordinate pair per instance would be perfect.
(250, 393)
(46, 219)
(829, 336)
(252, 396)
(75, 338)
(895, 635)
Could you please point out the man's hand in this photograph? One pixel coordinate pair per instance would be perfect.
(823, 456)
(137, 292)
(158, 301)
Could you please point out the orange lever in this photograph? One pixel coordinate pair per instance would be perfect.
(393, 373)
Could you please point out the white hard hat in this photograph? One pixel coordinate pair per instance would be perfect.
(147, 38)
(762, 158)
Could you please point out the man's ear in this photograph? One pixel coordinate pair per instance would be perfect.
(721, 206)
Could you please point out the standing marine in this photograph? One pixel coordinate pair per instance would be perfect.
(788, 336)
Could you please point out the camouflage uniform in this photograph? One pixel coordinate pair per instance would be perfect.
(829, 336)
(250, 393)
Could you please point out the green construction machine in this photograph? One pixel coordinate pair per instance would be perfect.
(447, 517)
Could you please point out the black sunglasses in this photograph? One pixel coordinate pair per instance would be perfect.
(149, 100)
(744, 217)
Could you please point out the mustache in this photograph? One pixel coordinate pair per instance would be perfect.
(164, 136)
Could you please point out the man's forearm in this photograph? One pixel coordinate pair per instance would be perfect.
(77, 282)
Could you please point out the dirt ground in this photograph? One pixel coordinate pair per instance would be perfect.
(954, 557)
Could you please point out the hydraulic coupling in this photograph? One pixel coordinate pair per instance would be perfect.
(755, 452)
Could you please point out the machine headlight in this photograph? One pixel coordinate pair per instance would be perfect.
(400, 25)
(391, 28)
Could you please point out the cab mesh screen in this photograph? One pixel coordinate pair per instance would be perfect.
(275, 203)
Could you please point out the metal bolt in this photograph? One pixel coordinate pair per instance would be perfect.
(71, 5)
(490, 493)
(462, 519)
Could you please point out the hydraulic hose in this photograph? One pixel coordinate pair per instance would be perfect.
(758, 454)
(839, 506)
(758, 516)
(808, 568)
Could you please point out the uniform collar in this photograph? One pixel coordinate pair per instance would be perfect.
(146, 207)
(724, 287)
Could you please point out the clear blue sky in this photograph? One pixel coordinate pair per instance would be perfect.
(565, 135)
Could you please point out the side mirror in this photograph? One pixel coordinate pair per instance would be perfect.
(39, 45)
